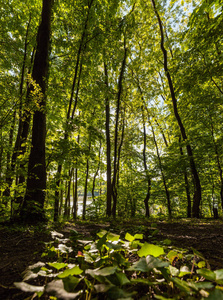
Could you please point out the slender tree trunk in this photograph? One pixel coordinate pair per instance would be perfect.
(197, 185)
(218, 163)
(114, 181)
(96, 174)
(108, 148)
(146, 200)
(86, 186)
(67, 200)
(162, 173)
(75, 198)
(187, 187)
(32, 208)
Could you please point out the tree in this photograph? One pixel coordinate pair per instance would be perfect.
(33, 205)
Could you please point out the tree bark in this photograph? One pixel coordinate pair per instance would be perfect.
(32, 208)
(108, 148)
(146, 200)
(86, 186)
(114, 181)
(187, 188)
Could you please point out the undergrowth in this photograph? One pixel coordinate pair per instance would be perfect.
(120, 266)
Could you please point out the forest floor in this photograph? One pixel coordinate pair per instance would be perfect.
(20, 248)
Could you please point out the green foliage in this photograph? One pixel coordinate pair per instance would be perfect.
(109, 267)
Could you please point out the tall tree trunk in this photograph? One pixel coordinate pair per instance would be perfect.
(86, 186)
(114, 181)
(96, 174)
(108, 148)
(218, 163)
(162, 173)
(33, 205)
(67, 200)
(148, 179)
(75, 196)
(75, 192)
(197, 184)
(187, 187)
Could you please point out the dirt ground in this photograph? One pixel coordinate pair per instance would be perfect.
(19, 249)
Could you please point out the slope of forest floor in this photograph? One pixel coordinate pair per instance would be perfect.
(21, 248)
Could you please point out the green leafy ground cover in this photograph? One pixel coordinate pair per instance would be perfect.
(120, 266)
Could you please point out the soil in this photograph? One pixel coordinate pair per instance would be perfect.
(19, 249)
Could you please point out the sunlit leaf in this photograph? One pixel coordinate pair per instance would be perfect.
(201, 264)
(57, 265)
(150, 249)
(113, 237)
(129, 237)
(73, 271)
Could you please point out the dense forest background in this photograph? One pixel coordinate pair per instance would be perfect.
(114, 107)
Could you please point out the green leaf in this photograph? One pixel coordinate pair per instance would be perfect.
(182, 285)
(117, 293)
(73, 271)
(138, 236)
(102, 241)
(113, 246)
(113, 237)
(102, 288)
(201, 264)
(172, 255)
(101, 272)
(101, 233)
(25, 287)
(219, 276)
(162, 298)
(167, 242)
(57, 265)
(208, 274)
(155, 232)
(184, 270)
(201, 285)
(150, 249)
(122, 278)
(143, 281)
(215, 295)
(56, 288)
(148, 263)
(70, 283)
(129, 237)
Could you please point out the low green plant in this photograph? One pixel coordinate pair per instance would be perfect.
(111, 267)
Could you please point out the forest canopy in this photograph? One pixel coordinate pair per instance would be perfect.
(111, 108)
